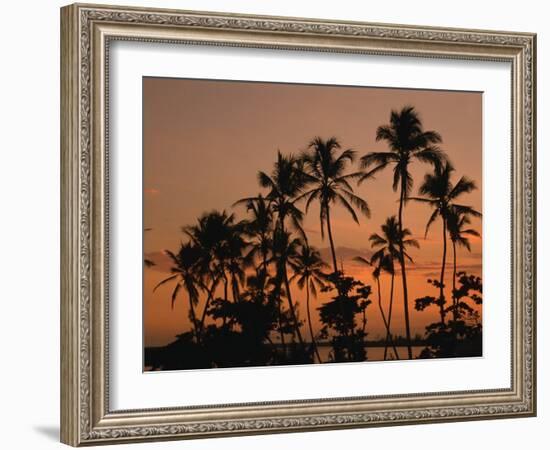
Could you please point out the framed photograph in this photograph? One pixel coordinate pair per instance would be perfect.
(276, 225)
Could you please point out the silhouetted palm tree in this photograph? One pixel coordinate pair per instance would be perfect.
(387, 243)
(440, 194)
(214, 236)
(285, 249)
(386, 246)
(308, 267)
(407, 142)
(184, 273)
(385, 264)
(285, 184)
(236, 247)
(260, 228)
(331, 185)
(456, 224)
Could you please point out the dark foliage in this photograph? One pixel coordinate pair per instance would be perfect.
(339, 317)
(461, 336)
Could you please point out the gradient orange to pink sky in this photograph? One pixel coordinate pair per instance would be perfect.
(205, 141)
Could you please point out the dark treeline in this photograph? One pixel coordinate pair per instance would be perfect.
(239, 277)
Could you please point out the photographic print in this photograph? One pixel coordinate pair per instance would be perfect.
(293, 224)
(224, 217)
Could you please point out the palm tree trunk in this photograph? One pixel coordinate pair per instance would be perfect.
(208, 299)
(386, 324)
(292, 310)
(264, 250)
(235, 288)
(194, 319)
(455, 300)
(404, 271)
(225, 295)
(279, 303)
(281, 332)
(309, 323)
(329, 230)
(442, 277)
(389, 337)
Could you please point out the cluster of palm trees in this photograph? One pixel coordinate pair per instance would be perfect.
(229, 261)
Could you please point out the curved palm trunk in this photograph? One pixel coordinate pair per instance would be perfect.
(208, 299)
(389, 338)
(455, 300)
(331, 241)
(281, 332)
(404, 271)
(292, 310)
(194, 319)
(442, 277)
(225, 294)
(235, 288)
(310, 326)
(386, 324)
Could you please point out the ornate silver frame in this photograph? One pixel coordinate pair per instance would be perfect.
(86, 31)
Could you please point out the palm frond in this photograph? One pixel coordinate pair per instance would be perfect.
(463, 186)
(432, 155)
(378, 158)
(411, 243)
(342, 200)
(431, 220)
(357, 201)
(175, 294)
(166, 280)
(362, 260)
(371, 173)
(265, 180)
(463, 209)
(376, 240)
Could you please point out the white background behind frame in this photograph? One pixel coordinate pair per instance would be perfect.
(132, 389)
(29, 182)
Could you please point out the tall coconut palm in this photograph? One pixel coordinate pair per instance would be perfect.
(386, 252)
(308, 267)
(382, 264)
(456, 225)
(440, 194)
(331, 185)
(407, 142)
(390, 242)
(260, 229)
(285, 249)
(235, 250)
(211, 234)
(285, 185)
(185, 275)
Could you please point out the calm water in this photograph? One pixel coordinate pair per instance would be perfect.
(373, 353)
(376, 353)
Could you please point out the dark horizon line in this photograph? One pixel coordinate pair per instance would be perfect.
(376, 343)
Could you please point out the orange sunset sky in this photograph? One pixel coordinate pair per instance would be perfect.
(205, 141)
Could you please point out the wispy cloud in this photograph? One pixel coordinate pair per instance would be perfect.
(345, 253)
(161, 261)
